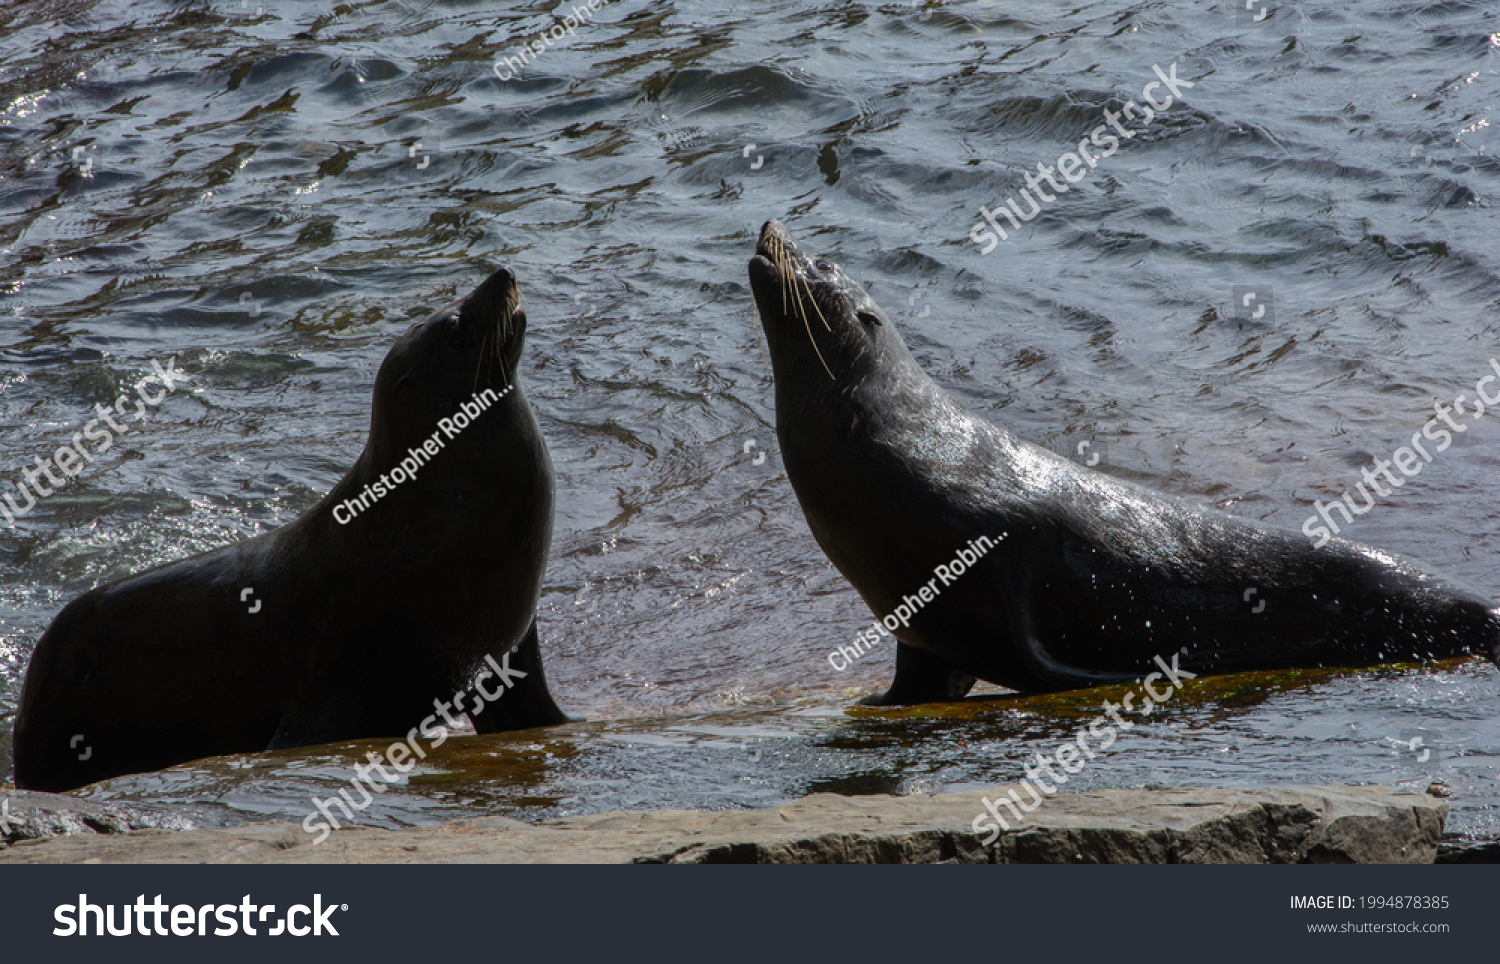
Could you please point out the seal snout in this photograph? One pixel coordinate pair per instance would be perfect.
(776, 250)
(773, 234)
(494, 307)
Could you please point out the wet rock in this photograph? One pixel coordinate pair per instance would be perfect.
(1279, 825)
(1467, 852)
(25, 815)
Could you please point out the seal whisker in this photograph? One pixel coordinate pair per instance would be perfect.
(501, 337)
(818, 352)
(789, 278)
(479, 363)
(802, 314)
(784, 268)
(814, 302)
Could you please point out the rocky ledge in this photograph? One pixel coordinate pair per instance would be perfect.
(25, 815)
(1284, 825)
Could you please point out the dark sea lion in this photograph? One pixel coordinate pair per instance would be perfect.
(1069, 577)
(388, 595)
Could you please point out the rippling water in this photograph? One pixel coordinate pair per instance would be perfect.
(270, 191)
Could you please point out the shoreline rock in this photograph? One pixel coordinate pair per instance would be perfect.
(27, 815)
(1194, 825)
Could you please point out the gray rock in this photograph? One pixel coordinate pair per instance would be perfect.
(1279, 825)
(26, 815)
(1464, 852)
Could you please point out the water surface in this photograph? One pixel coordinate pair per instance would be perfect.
(270, 191)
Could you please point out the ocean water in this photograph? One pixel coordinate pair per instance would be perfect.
(1261, 291)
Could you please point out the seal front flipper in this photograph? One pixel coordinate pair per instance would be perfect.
(518, 701)
(922, 678)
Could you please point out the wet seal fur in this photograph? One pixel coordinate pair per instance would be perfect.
(353, 626)
(1095, 577)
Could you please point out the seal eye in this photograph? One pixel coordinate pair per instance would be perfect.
(824, 266)
(868, 319)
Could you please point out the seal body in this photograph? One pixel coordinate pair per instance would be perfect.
(1086, 578)
(349, 622)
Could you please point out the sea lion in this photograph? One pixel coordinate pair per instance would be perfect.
(422, 565)
(1053, 575)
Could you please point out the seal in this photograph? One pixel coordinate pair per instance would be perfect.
(989, 557)
(358, 619)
